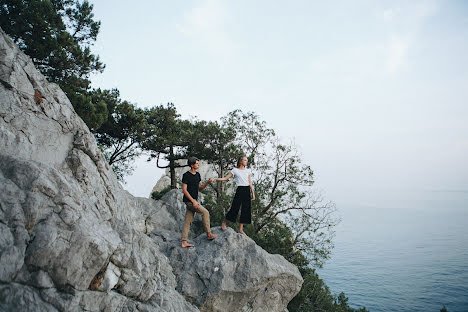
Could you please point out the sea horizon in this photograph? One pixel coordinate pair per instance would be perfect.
(406, 255)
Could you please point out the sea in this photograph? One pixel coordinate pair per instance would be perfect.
(402, 254)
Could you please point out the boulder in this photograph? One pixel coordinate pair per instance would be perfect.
(230, 273)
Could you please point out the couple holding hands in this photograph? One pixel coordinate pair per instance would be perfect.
(191, 183)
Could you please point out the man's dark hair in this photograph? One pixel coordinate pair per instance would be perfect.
(192, 160)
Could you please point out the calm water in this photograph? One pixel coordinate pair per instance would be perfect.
(407, 255)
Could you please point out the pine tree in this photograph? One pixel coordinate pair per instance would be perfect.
(57, 35)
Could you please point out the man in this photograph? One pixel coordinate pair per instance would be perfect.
(191, 183)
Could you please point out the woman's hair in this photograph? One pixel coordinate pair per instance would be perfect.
(239, 160)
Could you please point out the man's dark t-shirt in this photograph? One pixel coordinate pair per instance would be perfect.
(192, 181)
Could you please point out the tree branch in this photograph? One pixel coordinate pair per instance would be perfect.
(115, 155)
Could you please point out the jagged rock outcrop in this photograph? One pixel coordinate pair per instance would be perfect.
(231, 273)
(71, 239)
(64, 218)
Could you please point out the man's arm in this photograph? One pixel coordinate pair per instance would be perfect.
(202, 186)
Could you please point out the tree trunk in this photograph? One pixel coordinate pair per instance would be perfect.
(222, 184)
(219, 186)
(172, 168)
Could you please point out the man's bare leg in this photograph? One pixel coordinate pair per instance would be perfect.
(186, 244)
(211, 235)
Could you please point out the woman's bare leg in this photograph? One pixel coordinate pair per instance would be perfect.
(241, 229)
(223, 225)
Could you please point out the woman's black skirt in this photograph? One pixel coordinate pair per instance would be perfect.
(241, 199)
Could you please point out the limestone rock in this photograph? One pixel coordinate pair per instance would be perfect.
(71, 239)
(64, 218)
(230, 273)
(111, 277)
(163, 182)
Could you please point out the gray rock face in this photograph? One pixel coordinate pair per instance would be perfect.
(230, 273)
(64, 218)
(71, 239)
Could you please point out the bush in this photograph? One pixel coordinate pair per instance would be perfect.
(158, 195)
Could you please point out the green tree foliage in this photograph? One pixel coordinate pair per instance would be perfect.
(217, 205)
(169, 138)
(57, 35)
(289, 217)
(251, 132)
(284, 189)
(123, 133)
(219, 147)
(156, 195)
(277, 238)
(316, 296)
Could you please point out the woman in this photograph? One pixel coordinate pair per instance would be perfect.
(242, 198)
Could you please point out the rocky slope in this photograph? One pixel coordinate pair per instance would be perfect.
(71, 239)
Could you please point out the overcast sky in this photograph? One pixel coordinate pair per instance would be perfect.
(374, 92)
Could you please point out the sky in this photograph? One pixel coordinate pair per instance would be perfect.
(374, 93)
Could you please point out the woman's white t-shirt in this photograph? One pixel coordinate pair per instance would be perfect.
(241, 176)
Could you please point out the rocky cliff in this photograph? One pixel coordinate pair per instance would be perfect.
(71, 239)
